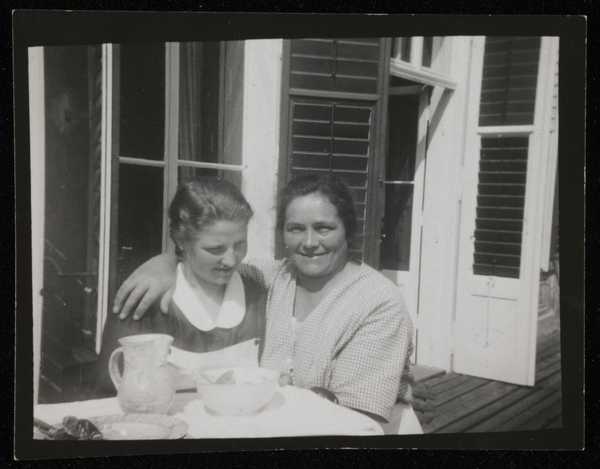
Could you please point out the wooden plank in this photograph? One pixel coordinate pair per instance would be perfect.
(434, 382)
(552, 352)
(544, 414)
(468, 403)
(549, 345)
(443, 388)
(480, 398)
(549, 362)
(541, 406)
(499, 411)
(466, 386)
(494, 422)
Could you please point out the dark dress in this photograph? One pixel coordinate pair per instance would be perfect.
(186, 336)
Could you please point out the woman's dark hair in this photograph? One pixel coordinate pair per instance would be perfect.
(201, 202)
(328, 185)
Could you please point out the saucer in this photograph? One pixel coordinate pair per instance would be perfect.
(140, 427)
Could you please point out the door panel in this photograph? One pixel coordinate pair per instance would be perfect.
(496, 311)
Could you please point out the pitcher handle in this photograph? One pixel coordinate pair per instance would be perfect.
(113, 368)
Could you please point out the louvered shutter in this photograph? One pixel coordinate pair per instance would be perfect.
(333, 103)
(508, 91)
(344, 65)
(510, 71)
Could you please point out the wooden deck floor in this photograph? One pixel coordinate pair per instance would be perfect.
(467, 404)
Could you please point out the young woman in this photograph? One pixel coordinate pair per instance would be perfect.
(213, 306)
(334, 325)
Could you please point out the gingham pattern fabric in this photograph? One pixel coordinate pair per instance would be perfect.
(356, 343)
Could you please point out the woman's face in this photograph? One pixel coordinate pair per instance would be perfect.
(315, 236)
(213, 254)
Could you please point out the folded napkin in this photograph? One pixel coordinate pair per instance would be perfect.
(293, 412)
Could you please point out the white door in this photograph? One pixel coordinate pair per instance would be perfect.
(499, 260)
(403, 188)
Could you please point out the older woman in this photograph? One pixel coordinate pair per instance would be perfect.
(332, 324)
(213, 307)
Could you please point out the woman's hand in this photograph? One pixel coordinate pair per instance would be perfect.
(145, 286)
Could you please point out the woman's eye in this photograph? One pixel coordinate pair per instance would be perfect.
(324, 229)
(216, 250)
(294, 229)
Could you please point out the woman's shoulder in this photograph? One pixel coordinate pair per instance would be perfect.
(377, 289)
(369, 275)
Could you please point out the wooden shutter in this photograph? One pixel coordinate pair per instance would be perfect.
(330, 107)
(508, 87)
(500, 203)
(333, 136)
(508, 90)
(346, 65)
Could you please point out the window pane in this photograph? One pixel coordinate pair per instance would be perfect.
(199, 115)
(72, 208)
(509, 82)
(396, 232)
(140, 216)
(427, 51)
(187, 174)
(403, 113)
(233, 101)
(142, 100)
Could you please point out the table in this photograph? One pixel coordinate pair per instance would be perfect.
(292, 412)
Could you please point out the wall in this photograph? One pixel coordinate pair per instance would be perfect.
(260, 140)
(441, 216)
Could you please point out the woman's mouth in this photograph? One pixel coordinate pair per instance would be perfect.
(223, 271)
(312, 255)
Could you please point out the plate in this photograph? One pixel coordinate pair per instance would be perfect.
(140, 427)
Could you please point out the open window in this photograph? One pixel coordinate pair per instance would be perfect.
(123, 125)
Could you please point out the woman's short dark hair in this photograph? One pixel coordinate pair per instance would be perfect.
(201, 202)
(330, 186)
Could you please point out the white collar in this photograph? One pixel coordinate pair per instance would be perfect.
(233, 308)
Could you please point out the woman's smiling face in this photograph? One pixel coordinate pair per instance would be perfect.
(315, 236)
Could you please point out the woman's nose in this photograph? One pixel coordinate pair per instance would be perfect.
(310, 239)
(229, 258)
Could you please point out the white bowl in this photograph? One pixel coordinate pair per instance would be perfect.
(254, 388)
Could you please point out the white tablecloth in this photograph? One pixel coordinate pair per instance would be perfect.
(293, 412)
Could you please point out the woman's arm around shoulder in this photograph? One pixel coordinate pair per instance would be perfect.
(150, 282)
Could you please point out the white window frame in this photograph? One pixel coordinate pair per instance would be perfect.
(414, 70)
(170, 164)
(37, 142)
